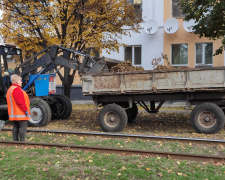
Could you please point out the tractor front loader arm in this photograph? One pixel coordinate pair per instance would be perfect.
(51, 57)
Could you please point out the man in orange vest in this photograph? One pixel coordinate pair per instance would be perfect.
(18, 108)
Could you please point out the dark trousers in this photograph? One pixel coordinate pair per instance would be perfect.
(19, 130)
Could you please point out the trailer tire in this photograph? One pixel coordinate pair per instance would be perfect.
(40, 113)
(132, 113)
(207, 118)
(112, 118)
(62, 109)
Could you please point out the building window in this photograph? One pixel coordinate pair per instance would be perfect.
(176, 9)
(179, 55)
(133, 53)
(204, 53)
(138, 7)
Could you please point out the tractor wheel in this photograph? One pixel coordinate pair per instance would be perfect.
(4, 116)
(40, 113)
(62, 108)
(112, 118)
(207, 118)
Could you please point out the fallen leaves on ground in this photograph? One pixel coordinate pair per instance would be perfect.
(85, 118)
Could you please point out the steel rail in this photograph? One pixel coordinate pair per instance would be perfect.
(132, 136)
(122, 151)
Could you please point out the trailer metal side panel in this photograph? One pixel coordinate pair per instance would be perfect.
(207, 79)
(107, 83)
(170, 80)
(154, 81)
(139, 82)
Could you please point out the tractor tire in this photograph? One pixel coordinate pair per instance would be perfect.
(112, 118)
(62, 109)
(207, 118)
(4, 116)
(132, 113)
(40, 113)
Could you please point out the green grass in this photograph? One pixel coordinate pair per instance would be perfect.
(43, 163)
(25, 163)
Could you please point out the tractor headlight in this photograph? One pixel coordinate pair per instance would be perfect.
(6, 50)
(18, 51)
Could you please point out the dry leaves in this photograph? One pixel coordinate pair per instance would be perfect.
(45, 169)
(126, 66)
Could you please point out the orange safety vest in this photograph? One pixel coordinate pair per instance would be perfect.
(14, 111)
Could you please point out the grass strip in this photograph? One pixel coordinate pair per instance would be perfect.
(44, 163)
(122, 143)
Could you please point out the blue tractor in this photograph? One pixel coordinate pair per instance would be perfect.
(38, 74)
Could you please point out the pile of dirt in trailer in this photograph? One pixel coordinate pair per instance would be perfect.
(126, 66)
(168, 67)
(164, 67)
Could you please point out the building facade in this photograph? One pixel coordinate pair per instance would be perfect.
(141, 47)
(172, 38)
(185, 48)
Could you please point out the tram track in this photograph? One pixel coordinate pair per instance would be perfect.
(132, 136)
(171, 155)
(122, 151)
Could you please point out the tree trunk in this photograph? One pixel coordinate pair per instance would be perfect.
(68, 81)
(66, 84)
(68, 78)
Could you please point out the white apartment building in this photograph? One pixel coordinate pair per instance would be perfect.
(174, 38)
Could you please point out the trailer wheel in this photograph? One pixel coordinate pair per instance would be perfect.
(207, 118)
(62, 109)
(40, 113)
(132, 113)
(112, 118)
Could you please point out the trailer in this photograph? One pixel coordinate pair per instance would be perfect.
(120, 92)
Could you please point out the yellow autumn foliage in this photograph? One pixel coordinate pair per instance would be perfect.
(77, 24)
